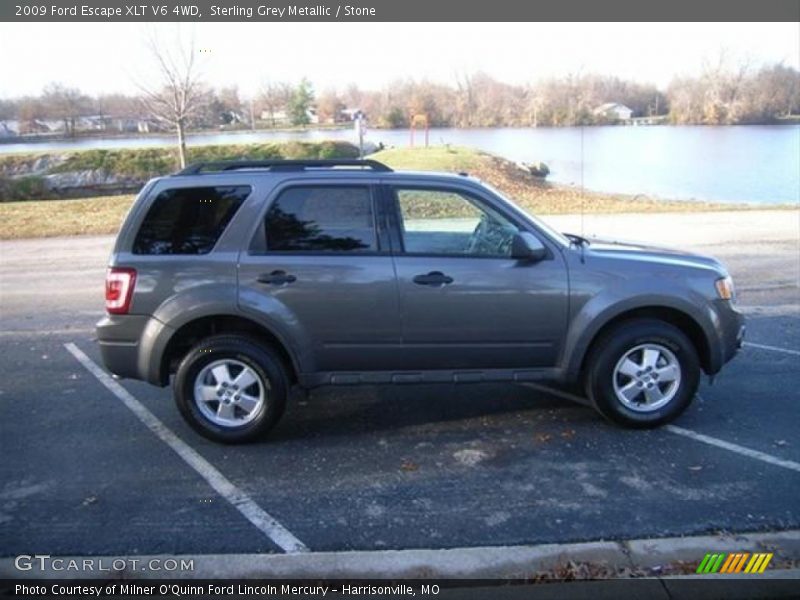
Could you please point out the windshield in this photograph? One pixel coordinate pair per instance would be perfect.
(555, 235)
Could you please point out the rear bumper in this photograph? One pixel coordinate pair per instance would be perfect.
(118, 337)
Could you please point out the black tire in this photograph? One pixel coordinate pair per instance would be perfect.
(610, 349)
(260, 359)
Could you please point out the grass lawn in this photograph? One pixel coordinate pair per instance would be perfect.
(47, 218)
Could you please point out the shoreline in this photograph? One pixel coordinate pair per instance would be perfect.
(135, 165)
(37, 139)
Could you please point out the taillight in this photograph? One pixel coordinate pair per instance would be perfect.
(119, 289)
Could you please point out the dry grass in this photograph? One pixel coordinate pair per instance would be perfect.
(49, 218)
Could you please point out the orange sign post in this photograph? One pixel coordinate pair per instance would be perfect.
(421, 119)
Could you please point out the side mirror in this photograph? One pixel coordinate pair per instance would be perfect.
(526, 246)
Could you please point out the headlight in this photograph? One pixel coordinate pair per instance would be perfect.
(725, 287)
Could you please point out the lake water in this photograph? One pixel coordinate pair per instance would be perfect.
(757, 164)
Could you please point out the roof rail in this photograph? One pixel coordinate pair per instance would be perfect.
(281, 165)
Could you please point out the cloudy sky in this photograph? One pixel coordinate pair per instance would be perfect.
(109, 57)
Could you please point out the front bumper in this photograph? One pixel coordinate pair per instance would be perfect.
(732, 330)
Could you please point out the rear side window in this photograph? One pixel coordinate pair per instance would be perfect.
(321, 219)
(188, 220)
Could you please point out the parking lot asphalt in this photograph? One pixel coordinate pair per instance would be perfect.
(368, 468)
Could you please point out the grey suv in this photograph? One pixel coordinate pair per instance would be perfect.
(242, 279)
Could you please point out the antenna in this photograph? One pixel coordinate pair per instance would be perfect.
(583, 197)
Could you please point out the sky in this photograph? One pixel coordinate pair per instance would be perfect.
(110, 57)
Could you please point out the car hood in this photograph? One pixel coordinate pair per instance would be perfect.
(637, 251)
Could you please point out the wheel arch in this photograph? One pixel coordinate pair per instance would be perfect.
(676, 317)
(188, 334)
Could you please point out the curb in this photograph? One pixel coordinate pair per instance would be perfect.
(491, 562)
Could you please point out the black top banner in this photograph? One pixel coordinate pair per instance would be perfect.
(399, 10)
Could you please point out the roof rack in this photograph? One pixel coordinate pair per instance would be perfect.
(281, 165)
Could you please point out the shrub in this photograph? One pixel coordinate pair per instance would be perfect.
(22, 188)
(140, 164)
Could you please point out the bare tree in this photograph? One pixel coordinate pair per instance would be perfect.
(64, 103)
(8, 109)
(274, 97)
(177, 94)
(330, 106)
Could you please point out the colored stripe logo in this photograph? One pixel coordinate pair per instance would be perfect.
(737, 562)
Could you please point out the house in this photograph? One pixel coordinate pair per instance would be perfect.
(91, 123)
(50, 125)
(351, 114)
(282, 117)
(9, 129)
(230, 117)
(613, 110)
(278, 117)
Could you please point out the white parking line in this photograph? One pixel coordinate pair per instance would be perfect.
(45, 333)
(773, 348)
(699, 437)
(707, 439)
(221, 484)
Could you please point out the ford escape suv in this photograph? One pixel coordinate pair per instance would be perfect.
(239, 280)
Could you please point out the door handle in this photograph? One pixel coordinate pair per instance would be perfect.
(434, 278)
(276, 278)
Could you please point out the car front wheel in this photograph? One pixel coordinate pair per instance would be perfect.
(643, 373)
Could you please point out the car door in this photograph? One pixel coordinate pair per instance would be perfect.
(319, 270)
(465, 303)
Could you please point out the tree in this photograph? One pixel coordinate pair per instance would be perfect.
(300, 103)
(221, 107)
(65, 103)
(176, 93)
(29, 111)
(775, 91)
(330, 107)
(274, 96)
(116, 110)
(8, 109)
(396, 118)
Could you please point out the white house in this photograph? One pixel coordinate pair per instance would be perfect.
(282, 117)
(614, 110)
(9, 129)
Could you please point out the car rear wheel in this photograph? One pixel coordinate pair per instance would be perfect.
(643, 373)
(231, 389)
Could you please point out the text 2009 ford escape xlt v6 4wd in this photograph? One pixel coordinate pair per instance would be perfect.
(245, 278)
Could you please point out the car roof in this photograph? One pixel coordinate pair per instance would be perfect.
(323, 168)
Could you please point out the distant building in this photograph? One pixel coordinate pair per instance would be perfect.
(230, 117)
(282, 117)
(91, 123)
(351, 114)
(278, 117)
(49, 125)
(9, 129)
(613, 110)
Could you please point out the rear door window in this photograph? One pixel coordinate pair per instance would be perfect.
(188, 220)
(322, 219)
